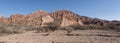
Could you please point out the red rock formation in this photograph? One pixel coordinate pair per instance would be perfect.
(37, 14)
(39, 17)
(31, 19)
(16, 18)
(4, 20)
(66, 17)
(35, 18)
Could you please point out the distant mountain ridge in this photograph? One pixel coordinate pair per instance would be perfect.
(64, 17)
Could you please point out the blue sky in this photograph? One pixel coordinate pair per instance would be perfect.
(104, 9)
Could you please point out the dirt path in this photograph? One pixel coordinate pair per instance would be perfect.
(81, 36)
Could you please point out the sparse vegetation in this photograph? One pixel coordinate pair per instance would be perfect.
(68, 29)
(77, 27)
(92, 26)
(49, 27)
(85, 27)
(52, 26)
(11, 29)
(114, 27)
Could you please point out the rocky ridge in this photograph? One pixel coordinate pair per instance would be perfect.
(40, 17)
(64, 17)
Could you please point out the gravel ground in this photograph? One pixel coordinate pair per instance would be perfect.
(76, 36)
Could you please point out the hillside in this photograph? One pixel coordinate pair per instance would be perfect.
(60, 26)
(62, 17)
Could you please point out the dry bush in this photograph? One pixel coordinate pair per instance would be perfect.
(6, 29)
(92, 26)
(77, 27)
(68, 29)
(49, 27)
(86, 27)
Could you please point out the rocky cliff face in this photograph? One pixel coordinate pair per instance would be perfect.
(16, 18)
(64, 17)
(38, 18)
(3, 20)
(34, 18)
(47, 19)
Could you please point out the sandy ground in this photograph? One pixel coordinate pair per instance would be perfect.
(77, 36)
